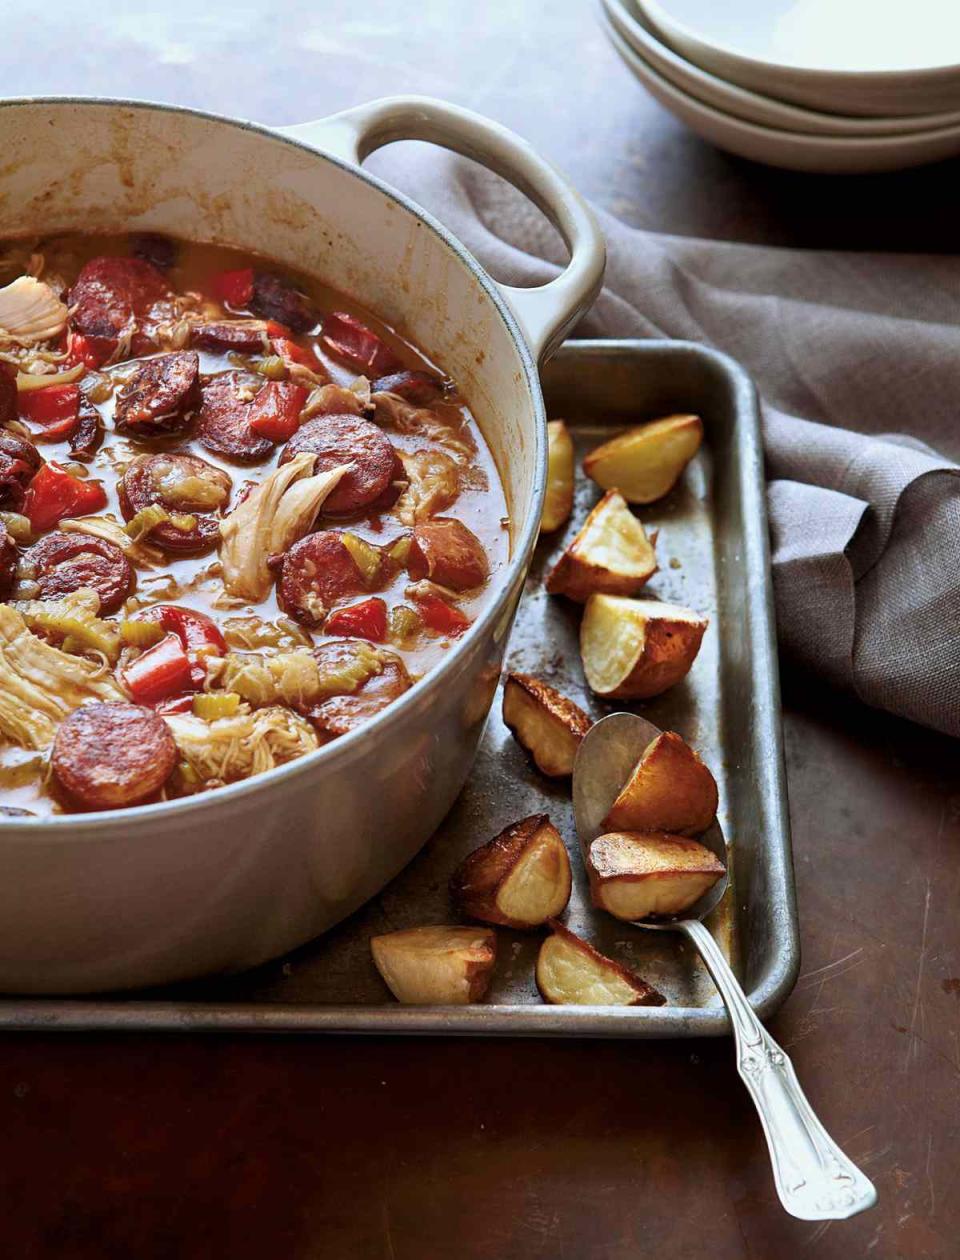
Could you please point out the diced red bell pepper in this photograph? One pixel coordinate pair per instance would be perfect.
(159, 673)
(275, 412)
(91, 351)
(234, 287)
(366, 620)
(440, 616)
(196, 631)
(54, 494)
(55, 409)
(179, 704)
(290, 352)
(352, 340)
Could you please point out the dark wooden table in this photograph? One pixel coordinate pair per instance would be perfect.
(360, 1150)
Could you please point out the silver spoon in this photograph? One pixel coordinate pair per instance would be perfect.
(814, 1179)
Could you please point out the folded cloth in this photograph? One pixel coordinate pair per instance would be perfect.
(857, 360)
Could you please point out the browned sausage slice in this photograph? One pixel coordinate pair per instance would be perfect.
(184, 484)
(19, 460)
(9, 559)
(315, 573)
(153, 248)
(62, 563)
(419, 388)
(276, 298)
(447, 553)
(107, 756)
(341, 714)
(113, 296)
(160, 395)
(337, 440)
(87, 437)
(9, 409)
(224, 422)
(245, 336)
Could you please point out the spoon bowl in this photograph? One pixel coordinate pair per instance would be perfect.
(814, 1178)
(608, 753)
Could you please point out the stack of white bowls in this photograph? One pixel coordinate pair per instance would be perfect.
(810, 85)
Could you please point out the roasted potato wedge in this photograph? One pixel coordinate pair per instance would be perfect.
(544, 722)
(645, 463)
(636, 648)
(669, 789)
(519, 879)
(611, 553)
(634, 874)
(570, 972)
(436, 965)
(558, 503)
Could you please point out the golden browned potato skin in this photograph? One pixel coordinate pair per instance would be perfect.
(533, 853)
(670, 789)
(570, 971)
(544, 722)
(611, 553)
(558, 503)
(634, 874)
(669, 648)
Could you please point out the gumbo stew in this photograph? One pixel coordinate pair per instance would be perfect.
(238, 517)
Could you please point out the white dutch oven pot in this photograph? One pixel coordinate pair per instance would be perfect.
(225, 880)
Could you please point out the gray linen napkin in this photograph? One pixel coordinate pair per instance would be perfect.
(857, 359)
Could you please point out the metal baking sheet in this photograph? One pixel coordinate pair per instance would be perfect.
(713, 553)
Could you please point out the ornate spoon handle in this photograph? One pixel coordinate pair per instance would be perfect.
(814, 1179)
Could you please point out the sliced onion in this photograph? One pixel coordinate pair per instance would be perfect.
(27, 381)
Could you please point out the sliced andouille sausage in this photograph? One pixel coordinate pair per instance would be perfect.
(315, 573)
(107, 756)
(351, 340)
(9, 560)
(448, 553)
(62, 563)
(160, 396)
(87, 437)
(183, 484)
(419, 388)
(339, 715)
(244, 336)
(9, 408)
(223, 425)
(113, 296)
(19, 460)
(279, 299)
(337, 440)
(154, 248)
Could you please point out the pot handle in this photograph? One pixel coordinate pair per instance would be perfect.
(545, 313)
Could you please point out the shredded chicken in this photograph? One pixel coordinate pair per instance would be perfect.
(271, 518)
(433, 479)
(142, 554)
(40, 685)
(228, 749)
(74, 624)
(331, 400)
(395, 412)
(30, 311)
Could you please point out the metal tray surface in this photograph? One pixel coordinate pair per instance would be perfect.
(713, 553)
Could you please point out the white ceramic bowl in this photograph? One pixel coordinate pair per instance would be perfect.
(229, 878)
(864, 57)
(752, 106)
(788, 149)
